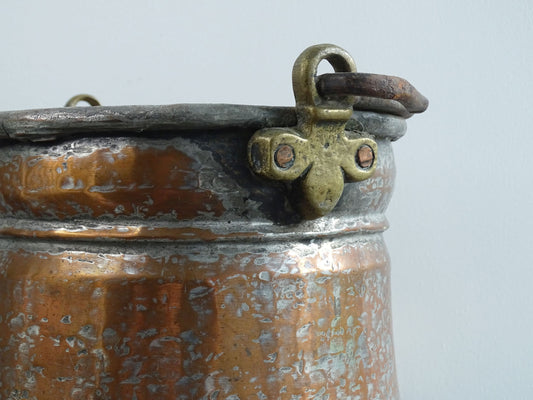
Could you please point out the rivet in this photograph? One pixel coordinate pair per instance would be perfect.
(284, 156)
(365, 156)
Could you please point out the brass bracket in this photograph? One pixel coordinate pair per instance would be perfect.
(316, 154)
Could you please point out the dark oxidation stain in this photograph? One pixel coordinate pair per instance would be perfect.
(229, 151)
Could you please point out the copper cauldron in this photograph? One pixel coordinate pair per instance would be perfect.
(203, 251)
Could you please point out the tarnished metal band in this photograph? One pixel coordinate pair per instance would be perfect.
(58, 123)
(187, 187)
(191, 233)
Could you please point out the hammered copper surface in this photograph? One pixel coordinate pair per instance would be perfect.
(141, 259)
(106, 181)
(298, 321)
(297, 311)
(166, 188)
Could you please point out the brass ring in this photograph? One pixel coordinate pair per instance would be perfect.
(304, 73)
(73, 101)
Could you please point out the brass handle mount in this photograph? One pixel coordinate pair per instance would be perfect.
(316, 155)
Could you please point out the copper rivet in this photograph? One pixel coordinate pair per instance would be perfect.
(365, 156)
(284, 156)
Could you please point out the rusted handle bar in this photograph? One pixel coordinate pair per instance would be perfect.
(374, 86)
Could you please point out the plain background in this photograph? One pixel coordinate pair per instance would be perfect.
(461, 217)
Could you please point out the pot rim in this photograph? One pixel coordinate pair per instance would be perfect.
(49, 124)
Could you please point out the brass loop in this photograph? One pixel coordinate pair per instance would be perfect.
(74, 100)
(304, 73)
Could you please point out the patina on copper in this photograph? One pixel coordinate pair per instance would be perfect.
(141, 258)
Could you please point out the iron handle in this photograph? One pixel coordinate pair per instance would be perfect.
(374, 86)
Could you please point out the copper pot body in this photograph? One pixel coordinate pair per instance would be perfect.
(136, 267)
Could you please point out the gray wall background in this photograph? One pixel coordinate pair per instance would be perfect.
(461, 217)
